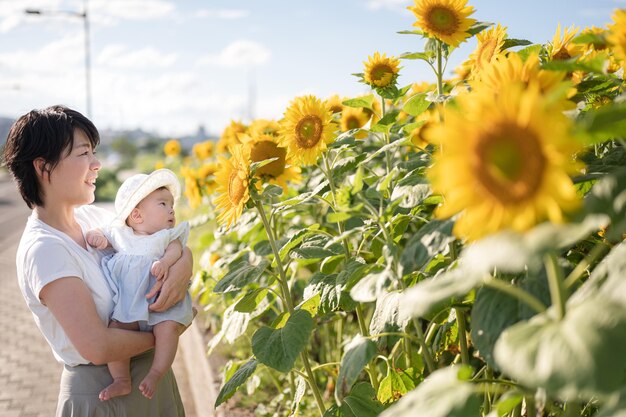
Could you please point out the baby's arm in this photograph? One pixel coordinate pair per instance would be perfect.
(96, 239)
(172, 253)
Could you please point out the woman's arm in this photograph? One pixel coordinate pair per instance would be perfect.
(174, 288)
(71, 303)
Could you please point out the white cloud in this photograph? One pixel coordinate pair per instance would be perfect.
(119, 56)
(132, 9)
(237, 54)
(397, 5)
(223, 13)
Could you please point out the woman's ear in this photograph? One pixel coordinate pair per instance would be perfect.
(40, 166)
(135, 216)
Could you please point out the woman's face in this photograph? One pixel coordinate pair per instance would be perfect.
(73, 180)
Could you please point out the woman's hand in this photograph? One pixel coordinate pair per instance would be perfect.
(174, 288)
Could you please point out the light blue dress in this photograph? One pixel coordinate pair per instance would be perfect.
(128, 273)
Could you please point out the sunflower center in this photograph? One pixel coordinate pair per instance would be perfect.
(510, 163)
(381, 71)
(562, 54)
(308, 131)
(353, 123)
(266, 150)
(443, 20)
(237, 185)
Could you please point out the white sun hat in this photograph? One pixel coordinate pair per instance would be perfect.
(139, 186)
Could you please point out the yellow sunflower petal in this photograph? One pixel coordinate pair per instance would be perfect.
(446, 20)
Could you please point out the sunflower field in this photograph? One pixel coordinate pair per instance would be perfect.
(453, 247)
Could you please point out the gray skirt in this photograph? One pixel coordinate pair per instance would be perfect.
(80, 386)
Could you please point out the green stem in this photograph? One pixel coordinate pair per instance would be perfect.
(289, 303)
(462, 330)
(371, 367)
(597, 251)
(329, 176)
(555, 282)
(426, 353)
(516, 292)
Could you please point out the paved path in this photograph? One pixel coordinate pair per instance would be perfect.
(29, 374)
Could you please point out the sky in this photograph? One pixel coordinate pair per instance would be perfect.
(168, 66)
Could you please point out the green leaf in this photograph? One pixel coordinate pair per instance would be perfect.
(311, 305)
(370, 287)
(392, 387)
(595, 65)
(608, 196)
(296, 239)
(237, 380)
(315, 247)
(364, 101)
(493, 312)
(431, 239)
(426, 56)
(478, 27)
(529, 50)
(361, 402)
(271, 191)
(572, 358)
(594, 39)
(279, 348)
(411, 32)
(357, 355)
(411, 195)
(256, 165)
(511, 43)
(605, 123)
(302, 198)
(426, 296)
(442, 394)
(508, 402)
(416, 105)
(297, 398)
(385, 123)
(240, 275)
(388, 312)
(251, 300)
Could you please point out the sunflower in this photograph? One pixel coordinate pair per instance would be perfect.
(446, 20)
(335, 103)
(306, 129)
(233, 179)
(277, 172)
(172, 148)
(511, 69)
(354, 118)
(263, 127)
(418, 135)
(617, 35)
(229, 136)
(381, 71)
(561, 47)
(490, 43)
(508, 170)
(203, 150)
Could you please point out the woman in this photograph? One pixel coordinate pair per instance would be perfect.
(51, 155)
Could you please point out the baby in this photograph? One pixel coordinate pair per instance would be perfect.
(147, 243)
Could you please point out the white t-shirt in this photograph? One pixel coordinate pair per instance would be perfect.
(46, 254)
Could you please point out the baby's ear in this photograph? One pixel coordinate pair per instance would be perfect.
(135, 216)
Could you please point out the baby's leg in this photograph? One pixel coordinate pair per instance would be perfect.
(165, 343)
(120, 370)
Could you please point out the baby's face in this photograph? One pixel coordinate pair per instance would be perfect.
(157, 211)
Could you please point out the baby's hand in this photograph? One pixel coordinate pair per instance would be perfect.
(159, 270)
(96, 239)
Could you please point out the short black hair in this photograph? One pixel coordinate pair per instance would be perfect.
(46, 134)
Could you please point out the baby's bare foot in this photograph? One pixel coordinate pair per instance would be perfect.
(119, 387)
(149, 383)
